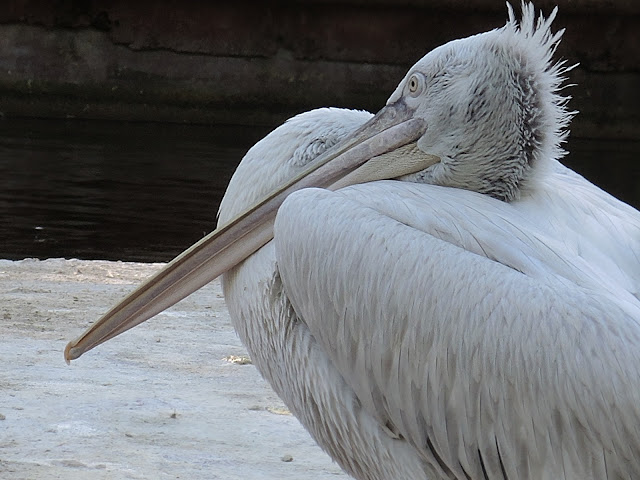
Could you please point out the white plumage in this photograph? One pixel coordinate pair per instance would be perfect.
(479, 320)
(430, 332)
(475, 337)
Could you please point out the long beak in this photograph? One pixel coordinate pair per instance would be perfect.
(360, 158)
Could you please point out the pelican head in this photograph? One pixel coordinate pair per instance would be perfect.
(491, 107)
(482, 113)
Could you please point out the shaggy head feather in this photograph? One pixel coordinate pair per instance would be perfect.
(493, 107)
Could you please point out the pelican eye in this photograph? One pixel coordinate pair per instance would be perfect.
(415, 84)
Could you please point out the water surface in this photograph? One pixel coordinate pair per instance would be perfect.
(106, 190)
(145, 192)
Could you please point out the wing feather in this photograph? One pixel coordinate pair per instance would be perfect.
(478, 337)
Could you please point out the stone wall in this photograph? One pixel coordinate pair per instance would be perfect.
(260, 62)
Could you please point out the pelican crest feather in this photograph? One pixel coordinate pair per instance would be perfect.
(494, 107)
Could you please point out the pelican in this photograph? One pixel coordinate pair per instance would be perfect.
(429, 290)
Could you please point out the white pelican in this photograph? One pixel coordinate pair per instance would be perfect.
(478, 321)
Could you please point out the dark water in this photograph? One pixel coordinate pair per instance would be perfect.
(105, 190)
(145, 192)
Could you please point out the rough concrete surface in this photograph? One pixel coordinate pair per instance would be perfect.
(168, 399)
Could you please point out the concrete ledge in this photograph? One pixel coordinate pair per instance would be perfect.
(168, 400)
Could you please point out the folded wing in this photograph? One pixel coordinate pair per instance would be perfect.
(466, 330)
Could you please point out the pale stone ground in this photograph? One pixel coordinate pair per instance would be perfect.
(158, 402)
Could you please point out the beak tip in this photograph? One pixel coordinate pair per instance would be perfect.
(71, 353)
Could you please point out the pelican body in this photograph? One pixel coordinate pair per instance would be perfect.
(429, 290)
